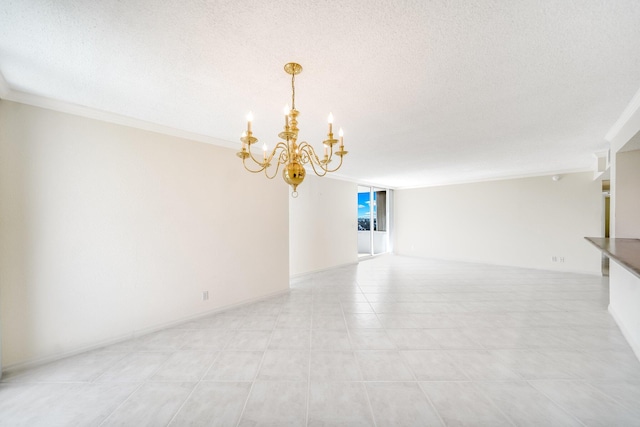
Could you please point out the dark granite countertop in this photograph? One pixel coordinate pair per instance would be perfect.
(625, 251)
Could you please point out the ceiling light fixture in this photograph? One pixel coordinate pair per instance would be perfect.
(289, 153)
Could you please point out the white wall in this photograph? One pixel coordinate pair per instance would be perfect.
(517, 222)
(108, 230)
(625, 220)
(627, 200)
(323, 224)
(624, 301)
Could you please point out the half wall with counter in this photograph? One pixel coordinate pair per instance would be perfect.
(624, 285)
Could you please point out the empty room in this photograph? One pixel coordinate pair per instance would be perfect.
(319, 213)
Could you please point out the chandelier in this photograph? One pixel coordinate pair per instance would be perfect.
(289, 153)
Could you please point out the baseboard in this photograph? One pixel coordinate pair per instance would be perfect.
(134, 334)
(497, 264)
(635, 346)
(312, 272)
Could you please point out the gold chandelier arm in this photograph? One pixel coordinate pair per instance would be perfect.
(336, 168)
(264, 166)
(244, 163)
(300, 154)
(313, 159)
(266, 171)
(279, 145)
(256, 161)
(326, 164)
(282, 159)
(285, 152)
(323, 173)
(307, 152)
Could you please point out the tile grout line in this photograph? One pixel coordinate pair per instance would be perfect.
(255, 377)
(364, 382)
(601, 347)
(195, 386)
(306, 419)
(121, 403)
(608, 396)
(562, 408)
(493, 404)
(366, 393)
(415, 377)
(142, 383)
(184, 402)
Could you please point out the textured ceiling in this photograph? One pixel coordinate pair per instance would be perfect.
(428, 92)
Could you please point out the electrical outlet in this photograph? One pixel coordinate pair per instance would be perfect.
(205, 295)
(554, 259)
(561, 259)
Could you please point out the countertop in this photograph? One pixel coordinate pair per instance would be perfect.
(625, 251)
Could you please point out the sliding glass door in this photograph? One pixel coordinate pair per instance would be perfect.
(373, 223)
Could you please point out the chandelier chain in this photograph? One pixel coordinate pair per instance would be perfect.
(293, 91)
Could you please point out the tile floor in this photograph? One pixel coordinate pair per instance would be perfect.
(392, 341)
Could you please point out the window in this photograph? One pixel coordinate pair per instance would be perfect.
(373, 221)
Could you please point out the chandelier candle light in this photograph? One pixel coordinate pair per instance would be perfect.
(288, 152)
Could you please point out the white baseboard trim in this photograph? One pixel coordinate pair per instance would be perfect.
(476, 261)
(635, 346)
(134, 334)
(311, 273)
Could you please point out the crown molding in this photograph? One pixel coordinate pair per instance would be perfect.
(4, 87)
(358, 181)
(92, 113)
(500, 178)
(629, 112)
